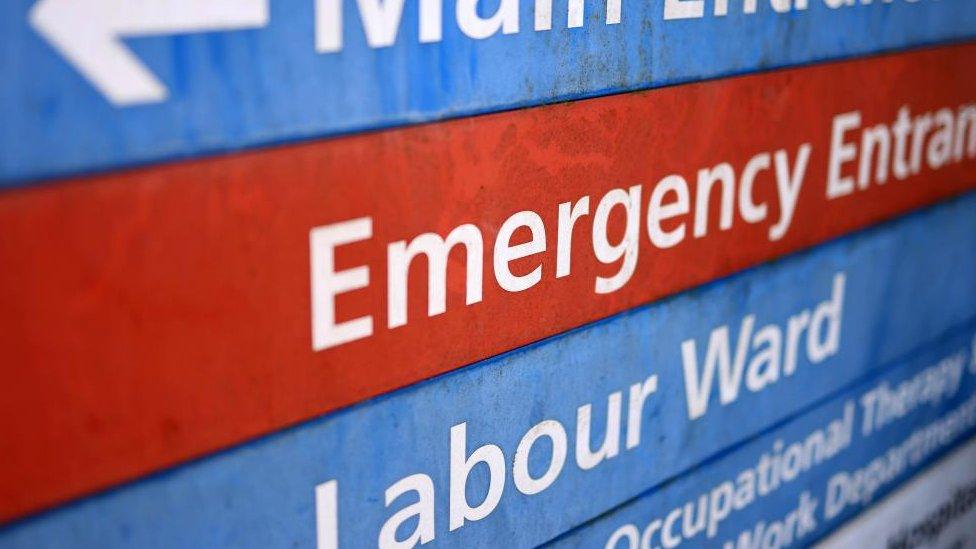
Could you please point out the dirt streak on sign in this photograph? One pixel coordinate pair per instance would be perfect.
(929, 140)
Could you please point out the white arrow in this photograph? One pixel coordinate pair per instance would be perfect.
(88, 34)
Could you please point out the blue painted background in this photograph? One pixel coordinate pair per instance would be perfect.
(230, 90)
(658, 502)
(903, 291)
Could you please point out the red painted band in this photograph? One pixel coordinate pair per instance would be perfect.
(159, 314)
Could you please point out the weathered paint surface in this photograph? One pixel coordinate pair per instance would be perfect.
(238, 80)
(837, 487)
(900, 292)
(159, 314)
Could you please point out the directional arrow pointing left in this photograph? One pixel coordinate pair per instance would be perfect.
(88, 34)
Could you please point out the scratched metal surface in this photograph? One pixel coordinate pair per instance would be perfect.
(235, 89)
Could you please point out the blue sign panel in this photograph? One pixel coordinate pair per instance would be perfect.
(578, 423)
(936, 508)
(95, 84)
(798, 482)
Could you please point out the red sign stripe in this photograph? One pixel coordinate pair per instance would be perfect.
(159, 314)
